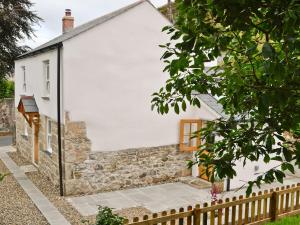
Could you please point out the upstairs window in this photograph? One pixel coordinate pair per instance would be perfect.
(48, 135)
(47, 76)
(189, 138)
(24, 85)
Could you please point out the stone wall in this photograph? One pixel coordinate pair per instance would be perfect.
(48, 162)
(91, 172)
(7, 118)
(109, 171)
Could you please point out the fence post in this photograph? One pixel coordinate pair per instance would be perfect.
(197, 215)
(274, 206)
(205, 214)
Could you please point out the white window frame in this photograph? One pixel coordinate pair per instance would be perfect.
(24, 85)
(46, 68)
(49, 135)
(25, 128)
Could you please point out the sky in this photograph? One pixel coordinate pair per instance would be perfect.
(52, 11)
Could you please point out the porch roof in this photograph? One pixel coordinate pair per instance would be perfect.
(28, 104)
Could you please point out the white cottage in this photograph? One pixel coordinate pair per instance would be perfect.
(84, 98)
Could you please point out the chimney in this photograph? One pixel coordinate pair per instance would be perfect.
(67, 21)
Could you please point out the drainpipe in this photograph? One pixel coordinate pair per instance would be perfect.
(61, 188)
(228, 184)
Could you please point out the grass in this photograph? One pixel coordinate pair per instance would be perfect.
(287, 221)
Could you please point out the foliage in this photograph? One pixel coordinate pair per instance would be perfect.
(16, 21)
(105, 216)
(296, 131)
(257, 82)
(168, 10)
(7, 88)
(2, 176)
(287, 221)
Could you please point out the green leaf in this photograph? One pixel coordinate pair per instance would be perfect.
(267, 158)
(176, 108)
(287, 154)
(249, 189)
(166, 108)
(279, 175)
(277, 158)
(267, 50)
(167, 55)
(196, 102)
(183, 105)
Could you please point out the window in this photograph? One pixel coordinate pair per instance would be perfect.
(24, 86)
(189, 139)
(25, 128)
(47, 77)
(49, 135)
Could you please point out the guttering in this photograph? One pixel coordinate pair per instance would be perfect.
(39, 51)
(61, 187)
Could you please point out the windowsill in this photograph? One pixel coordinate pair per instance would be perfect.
(24, 137)
(47, 152)
(46, 98)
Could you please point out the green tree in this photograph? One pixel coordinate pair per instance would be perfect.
(257, 82)
(16, 23)
(6, 89)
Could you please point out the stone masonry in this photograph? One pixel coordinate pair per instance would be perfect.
(6, 115)
(48, 163)
(108, 171)
(91, 172)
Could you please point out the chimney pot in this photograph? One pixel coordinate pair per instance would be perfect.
(68, 12)
(67, 21)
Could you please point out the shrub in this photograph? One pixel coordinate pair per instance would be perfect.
(7, 89)
(105, 216)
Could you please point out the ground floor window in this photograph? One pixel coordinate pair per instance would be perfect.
(25, 128)
(189, 138)
(49, 135)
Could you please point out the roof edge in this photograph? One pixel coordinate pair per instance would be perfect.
(113, 14)
(39, 51)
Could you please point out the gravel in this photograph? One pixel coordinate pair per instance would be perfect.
(20, 161)
(130, 213)
(51, 192)
(16, 208)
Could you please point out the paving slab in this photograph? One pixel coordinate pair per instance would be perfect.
(5, 140)
(159, 197)
(155, 198)
(28, 168)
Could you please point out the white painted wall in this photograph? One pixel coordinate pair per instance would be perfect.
(35, 82)
(110, 73)
(248, 173)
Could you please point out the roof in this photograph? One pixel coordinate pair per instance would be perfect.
(29, 104)
(80, 29)
(213, 103)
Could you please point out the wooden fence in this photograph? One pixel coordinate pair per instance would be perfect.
(257, 209)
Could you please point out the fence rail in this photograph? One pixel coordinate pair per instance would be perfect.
(254, 210)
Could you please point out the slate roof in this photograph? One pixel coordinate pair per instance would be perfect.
(212, 103)
(82, 28)
(29, 104)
